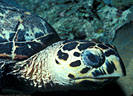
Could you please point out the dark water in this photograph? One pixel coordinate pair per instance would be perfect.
(124, 44)
(112, 89)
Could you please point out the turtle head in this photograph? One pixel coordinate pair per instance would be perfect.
(86, 61)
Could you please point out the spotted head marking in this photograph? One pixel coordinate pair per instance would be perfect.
(78, 61)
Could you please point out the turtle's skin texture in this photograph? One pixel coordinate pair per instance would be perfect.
(69, 64)
(32, 57)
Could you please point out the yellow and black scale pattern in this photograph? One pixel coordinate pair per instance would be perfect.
(30, 40)
(70, 63)
(89, 60)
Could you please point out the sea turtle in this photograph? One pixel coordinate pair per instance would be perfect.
(32, 57)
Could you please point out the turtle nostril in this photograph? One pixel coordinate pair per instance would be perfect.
(91, 58)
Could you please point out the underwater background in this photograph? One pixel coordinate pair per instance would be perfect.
(109, 21)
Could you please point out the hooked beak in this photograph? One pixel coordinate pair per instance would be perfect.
(110, 70)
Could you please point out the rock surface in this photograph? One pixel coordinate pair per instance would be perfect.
(75, 19)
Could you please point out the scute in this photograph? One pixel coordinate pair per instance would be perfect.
(23, 34)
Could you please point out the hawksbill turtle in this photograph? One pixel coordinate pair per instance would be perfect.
(32, 56)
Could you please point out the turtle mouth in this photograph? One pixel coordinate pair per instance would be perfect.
(98, 78)
(93, 81)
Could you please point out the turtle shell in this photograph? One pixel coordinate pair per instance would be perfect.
(23, 34)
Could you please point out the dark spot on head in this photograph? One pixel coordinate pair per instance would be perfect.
(71, 76)
(99, 72)
(62, 55)
(70, 46)
(57, 62)
(84, 46)
(102, 59)
(76, 54)
(85, 70)
(110, 67)
(75, 63)
(102, 46)
(110, 52)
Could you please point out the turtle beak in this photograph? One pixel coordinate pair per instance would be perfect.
(112, 68)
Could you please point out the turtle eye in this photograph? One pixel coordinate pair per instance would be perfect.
(91, 58)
